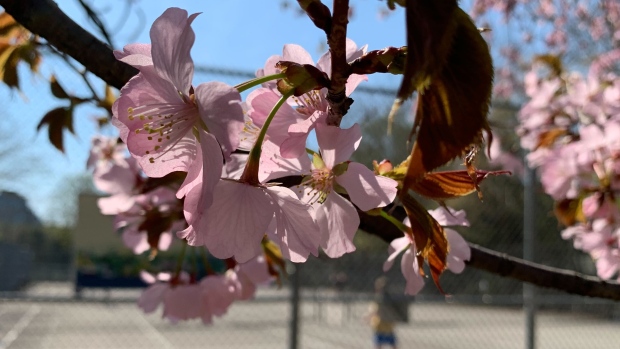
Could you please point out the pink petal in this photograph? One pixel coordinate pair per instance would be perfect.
(172, 39)
(219, 293)
(115, 179)
(459, 251)
(256, 270)
(337, 144)
(297, 54)
(411, 271)
(136, 55)
(296, 230)
(220, 109)
(115, 204)
(295, 145)
(353, 81)
(147, 277)
(339, 222)
(261, 102)
(367, 190)
(133, 49)
(397, 246)
(607, 265)
(169, 152)
(273, 166)
(152, 296)
(235, 223)
(451, 217)
(183, 302)
(165, 240)
(269, 69)
(210, 162)
(135, 240)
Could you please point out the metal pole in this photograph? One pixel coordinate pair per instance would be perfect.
(529, 234)
(294, 273)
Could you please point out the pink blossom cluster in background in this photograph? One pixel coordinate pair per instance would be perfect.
(204, 166)
(564, 27)
(571, 126)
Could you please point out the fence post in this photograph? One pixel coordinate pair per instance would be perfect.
(529, 235)
(294, 274)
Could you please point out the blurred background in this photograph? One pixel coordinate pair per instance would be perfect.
(66, 281)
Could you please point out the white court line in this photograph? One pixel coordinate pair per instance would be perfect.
(19, 326)
(152, 332)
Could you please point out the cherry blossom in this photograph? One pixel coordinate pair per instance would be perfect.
(410, 267)
(150, 222)
(159, 110)
(241, 214)
(185, 299)
(293, 122)
(325, 174)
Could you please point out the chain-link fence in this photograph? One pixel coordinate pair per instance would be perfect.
(39, 306)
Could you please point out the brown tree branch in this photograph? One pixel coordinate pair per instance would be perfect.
(339, 103)
(509, 266)
(44, 18)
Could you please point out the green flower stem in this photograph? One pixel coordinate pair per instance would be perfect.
(400, 225)
(195, 262)
(254, 82)
(180, 259)
(205, 261)
(311, 152)
(250, 173)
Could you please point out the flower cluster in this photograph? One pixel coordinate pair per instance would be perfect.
(207, 167)
(571, 125)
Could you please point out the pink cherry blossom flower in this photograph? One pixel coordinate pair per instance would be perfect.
(149, 223)
(184, 299)
(181, 299)
(220, 291)
(233, 221)
(242, 213)
(293, 122)
(459, 250)
(251, 274)
(336, 216)
(159, 110)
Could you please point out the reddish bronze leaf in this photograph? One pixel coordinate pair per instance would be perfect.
(57, 120)
(451, 184)
(429, 236)
(8, 26)
(449, 64)
(548, 138)
(389, 60)
(569, 211)
(155, 223)
(57, 89)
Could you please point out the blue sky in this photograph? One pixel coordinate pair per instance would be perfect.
(238, 34)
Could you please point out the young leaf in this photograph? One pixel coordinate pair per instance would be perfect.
(429, 236)
(57, 90)
(389, 60)
(451, 184)
(449, 64)
(57, 120)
